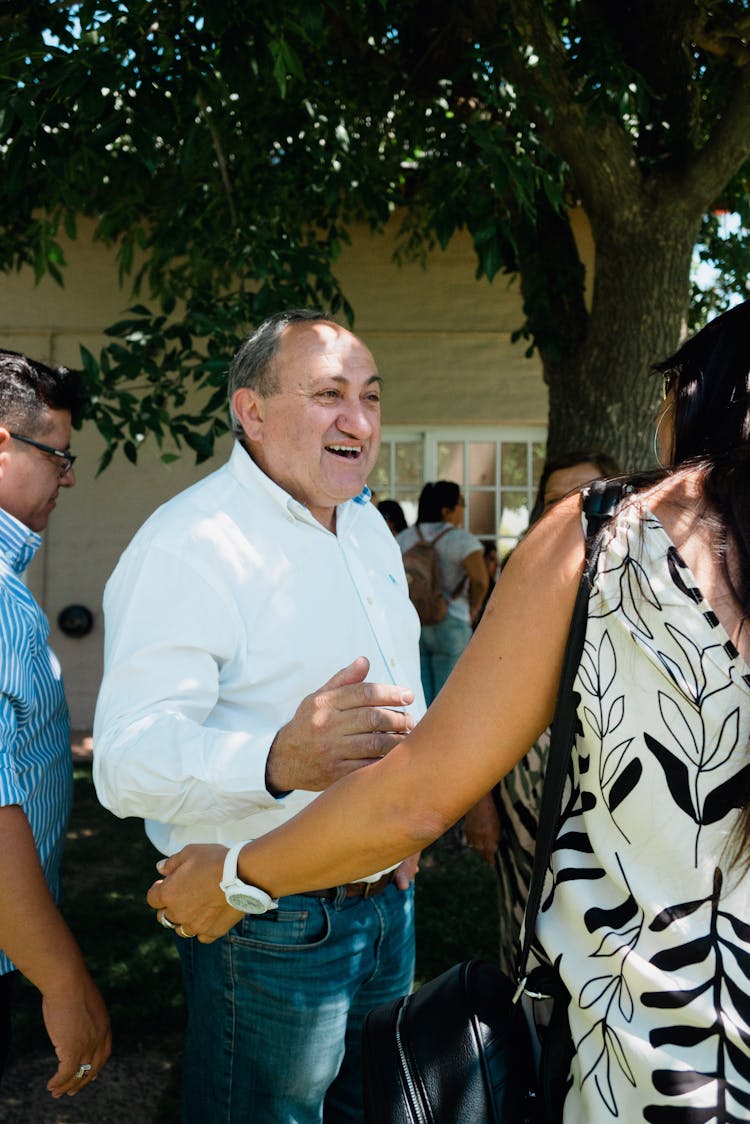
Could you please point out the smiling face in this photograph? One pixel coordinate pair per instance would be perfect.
(318, 436)
(29, 478)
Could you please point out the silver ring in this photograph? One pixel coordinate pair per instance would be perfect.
(82, 1070)
(184, 933)
(164, 920)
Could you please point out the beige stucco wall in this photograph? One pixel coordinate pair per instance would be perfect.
(441, 340)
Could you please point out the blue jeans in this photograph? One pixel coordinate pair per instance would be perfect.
(440, 645)
(276, 1008)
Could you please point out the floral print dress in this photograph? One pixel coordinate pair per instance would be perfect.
(643, 910)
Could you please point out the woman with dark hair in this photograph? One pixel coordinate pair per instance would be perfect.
(393, 513)
(645, 911)
(440, 518)
(561, 475)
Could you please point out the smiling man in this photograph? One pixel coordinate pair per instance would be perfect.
(36, 776)
(227, 612)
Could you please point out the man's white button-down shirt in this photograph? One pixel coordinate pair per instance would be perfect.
(230, 605)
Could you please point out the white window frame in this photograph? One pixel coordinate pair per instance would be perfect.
(431, 437)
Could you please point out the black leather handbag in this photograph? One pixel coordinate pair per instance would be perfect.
(458, 1050)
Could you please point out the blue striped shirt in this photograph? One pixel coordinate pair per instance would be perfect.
(35, 762)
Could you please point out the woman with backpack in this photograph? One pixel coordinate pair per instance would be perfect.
(449, 596)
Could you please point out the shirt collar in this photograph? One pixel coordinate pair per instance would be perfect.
(247, 472)
(18, 544)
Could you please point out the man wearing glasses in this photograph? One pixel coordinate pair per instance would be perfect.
(37, 404)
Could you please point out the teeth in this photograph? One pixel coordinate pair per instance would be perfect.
(348, 450)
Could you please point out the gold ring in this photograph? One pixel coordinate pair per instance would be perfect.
(82, 1070)
(184, 933)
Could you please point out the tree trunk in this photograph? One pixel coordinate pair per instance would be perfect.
(601, 393)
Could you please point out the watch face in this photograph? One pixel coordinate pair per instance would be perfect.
(245, 902)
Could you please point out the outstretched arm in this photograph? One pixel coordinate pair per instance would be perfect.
(35, 937)
(499, 698)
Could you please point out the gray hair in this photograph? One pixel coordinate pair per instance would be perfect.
(253, 365)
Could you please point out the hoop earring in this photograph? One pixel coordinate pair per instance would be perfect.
(657, 455)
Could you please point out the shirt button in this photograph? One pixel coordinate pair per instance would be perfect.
(370, 601)
(393, 663)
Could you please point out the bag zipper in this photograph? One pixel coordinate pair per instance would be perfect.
(416, 1108)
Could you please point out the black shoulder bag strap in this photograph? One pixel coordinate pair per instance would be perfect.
(600, 499)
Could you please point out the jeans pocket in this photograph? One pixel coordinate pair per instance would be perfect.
(284, 929)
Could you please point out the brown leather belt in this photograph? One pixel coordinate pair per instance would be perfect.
(353, 889)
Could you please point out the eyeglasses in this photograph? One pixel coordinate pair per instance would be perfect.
(66, 459)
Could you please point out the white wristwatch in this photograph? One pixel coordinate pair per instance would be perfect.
(248, 899)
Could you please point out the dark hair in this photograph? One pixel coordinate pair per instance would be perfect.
(434, 497)
(253, 365)
(710, 380)
(393, 512)
(606, 464)
(29, 388)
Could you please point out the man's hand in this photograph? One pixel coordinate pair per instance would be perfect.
(190, 895)
(482, 828)
(78, 1027)
(342, 726)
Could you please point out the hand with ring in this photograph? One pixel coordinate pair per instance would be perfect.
(181, 931)
(83, 1069)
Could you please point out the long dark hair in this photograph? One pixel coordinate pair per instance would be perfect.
(434, 497)
(710, 378)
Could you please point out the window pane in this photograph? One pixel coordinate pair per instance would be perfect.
(409, 463)
(514, 519)
(409, 502)
(513, 463)
(450, 461)
(538, 457)
(482, 458)
(379, 480)
(482, 513)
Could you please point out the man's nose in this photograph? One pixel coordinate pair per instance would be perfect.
(69, 479)
(355, 420)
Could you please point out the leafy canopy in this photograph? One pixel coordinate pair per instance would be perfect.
(225, 150)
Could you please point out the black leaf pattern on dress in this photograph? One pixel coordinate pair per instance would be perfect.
(676, 775)
(731, 1003)
(622, 925)
(694, 751)
(604, 713)
(635, 590)
(727, 796)
(625, 783)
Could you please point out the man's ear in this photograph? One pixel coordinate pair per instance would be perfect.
(5, 442)
(248, 407)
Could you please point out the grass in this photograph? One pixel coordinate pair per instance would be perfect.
(108, 866)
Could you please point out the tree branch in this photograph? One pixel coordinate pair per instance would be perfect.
(726, 150)
(600, 152)
(220, 158)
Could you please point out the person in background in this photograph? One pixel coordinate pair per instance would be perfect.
(37, 406)
(228, 610)
(492, 564)
(502, 826)
(393, 513)
(440, 519)
(568, 473)
(645, 909)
